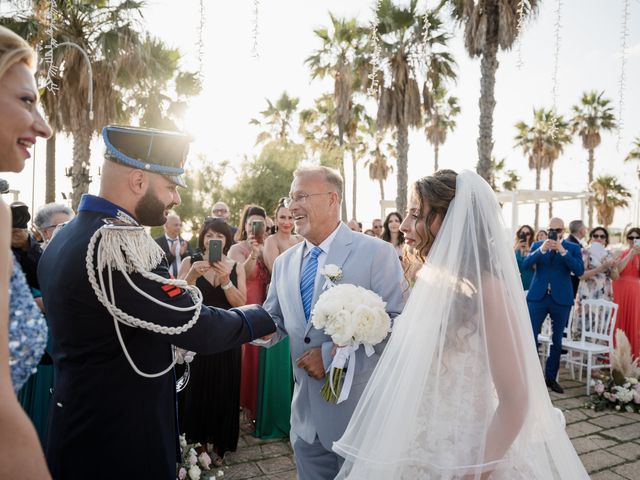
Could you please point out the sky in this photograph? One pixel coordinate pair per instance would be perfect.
(236, 84)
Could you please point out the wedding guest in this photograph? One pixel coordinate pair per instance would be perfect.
(221, 210)
(524, 240)
(626, 291)
(577, 233)
(24, 245)
(354, 225)
(541, 235)
(391, 232)
(370, 232)
(283, 239)
(210, 403)
(22, 337)
(377, 227)
(35, 395)
(551, 292)
(49, 217)
(173, 245)
(270, 228)
(249, 253)
(599, 272)
(275, 382)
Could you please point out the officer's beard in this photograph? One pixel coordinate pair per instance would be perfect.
(150, 210)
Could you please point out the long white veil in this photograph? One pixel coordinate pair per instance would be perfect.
(459, 390)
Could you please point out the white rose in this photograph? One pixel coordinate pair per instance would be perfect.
(633, 381)
(332, 271)
(341, 329)
(194, 472)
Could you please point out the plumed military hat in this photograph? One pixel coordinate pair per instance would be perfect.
(20, 215)
(151, 150)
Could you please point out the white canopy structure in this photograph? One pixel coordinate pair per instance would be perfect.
(528, 197)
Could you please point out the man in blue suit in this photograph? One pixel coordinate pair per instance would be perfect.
(551, 292)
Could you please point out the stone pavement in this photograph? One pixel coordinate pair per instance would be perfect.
(608, 443)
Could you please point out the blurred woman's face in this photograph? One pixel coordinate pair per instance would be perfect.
(250, 220)
(632, 237)
(284, 220)
(20, 121)
(542, 236)
(413, 229)
(394, 224)
(599, 237)
(213, 235)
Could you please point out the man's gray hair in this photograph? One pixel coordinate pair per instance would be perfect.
(331, 176)
(575, 226)
(46, 213)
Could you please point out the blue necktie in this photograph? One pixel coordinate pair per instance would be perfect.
(308, 280)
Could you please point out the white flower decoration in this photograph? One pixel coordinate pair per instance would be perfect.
(332, 273)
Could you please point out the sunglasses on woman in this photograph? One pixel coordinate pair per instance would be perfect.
(633, 237)
(599, 236)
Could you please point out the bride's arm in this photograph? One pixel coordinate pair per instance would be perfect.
(508, 371)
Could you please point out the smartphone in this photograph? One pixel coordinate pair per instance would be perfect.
(258, 229)
(636, 242)
(215, 250)
(553, 235)
(523, 237)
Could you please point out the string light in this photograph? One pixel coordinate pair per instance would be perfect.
(556, 62)
(376, 66)
(52, 70)
(201, 40)
(519, 62)
(624, 35)
(255, 31)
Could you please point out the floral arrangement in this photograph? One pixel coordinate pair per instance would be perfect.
(621, 389)
(351, 316)
(194, 466)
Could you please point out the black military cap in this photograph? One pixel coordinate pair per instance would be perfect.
(19, 215)
(148, 149)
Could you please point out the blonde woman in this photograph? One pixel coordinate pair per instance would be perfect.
(20, 124)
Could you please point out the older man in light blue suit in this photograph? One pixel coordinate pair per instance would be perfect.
(296, 284)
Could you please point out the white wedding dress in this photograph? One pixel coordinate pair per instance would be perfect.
(458, 391)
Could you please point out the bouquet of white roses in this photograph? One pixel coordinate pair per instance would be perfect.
(351, 316)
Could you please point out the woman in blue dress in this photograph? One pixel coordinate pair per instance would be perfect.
(23, 331)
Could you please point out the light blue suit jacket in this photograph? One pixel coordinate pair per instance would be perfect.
(365, 261)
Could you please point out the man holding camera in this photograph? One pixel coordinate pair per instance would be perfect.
(551, 292)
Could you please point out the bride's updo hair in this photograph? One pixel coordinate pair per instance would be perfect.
(437, 191)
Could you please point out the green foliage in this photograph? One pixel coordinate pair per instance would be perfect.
(204, 187)
(265, 179)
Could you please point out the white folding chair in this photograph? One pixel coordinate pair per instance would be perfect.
(544, 337)
(598, 321)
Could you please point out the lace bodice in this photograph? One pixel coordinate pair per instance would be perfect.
(27, 329)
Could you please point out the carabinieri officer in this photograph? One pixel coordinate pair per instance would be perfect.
(116, 316)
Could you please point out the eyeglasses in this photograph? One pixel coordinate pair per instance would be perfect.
(302, 198)
(599, 236)
(220, 211)
(633, 237)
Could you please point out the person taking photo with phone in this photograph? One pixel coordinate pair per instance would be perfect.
(551, 292)
(626, 290)
(522, 246)
(209, 405)
(249, 253)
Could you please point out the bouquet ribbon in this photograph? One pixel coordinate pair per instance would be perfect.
(344, 355)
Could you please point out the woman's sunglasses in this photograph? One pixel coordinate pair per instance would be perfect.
(599, 236)
(633, 237)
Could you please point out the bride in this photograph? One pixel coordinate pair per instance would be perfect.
(458, 392)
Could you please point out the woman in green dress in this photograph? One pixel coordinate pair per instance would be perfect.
(275, 381)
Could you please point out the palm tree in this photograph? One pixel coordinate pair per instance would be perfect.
(379, 167)
(591, 116)
(108, 35)
(341, 55)
(634, 154)
(441, 121)
(410, 43)
(489, 25)
(609, 194)
(277, 119)
(319, 131)
(357, 147)
(542, 142)
(510, 178)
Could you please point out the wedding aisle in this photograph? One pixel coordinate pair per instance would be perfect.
(608, 443)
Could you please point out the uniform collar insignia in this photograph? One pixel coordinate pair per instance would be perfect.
(115, 214)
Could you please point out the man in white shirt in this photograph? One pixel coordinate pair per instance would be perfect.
(174, 247)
